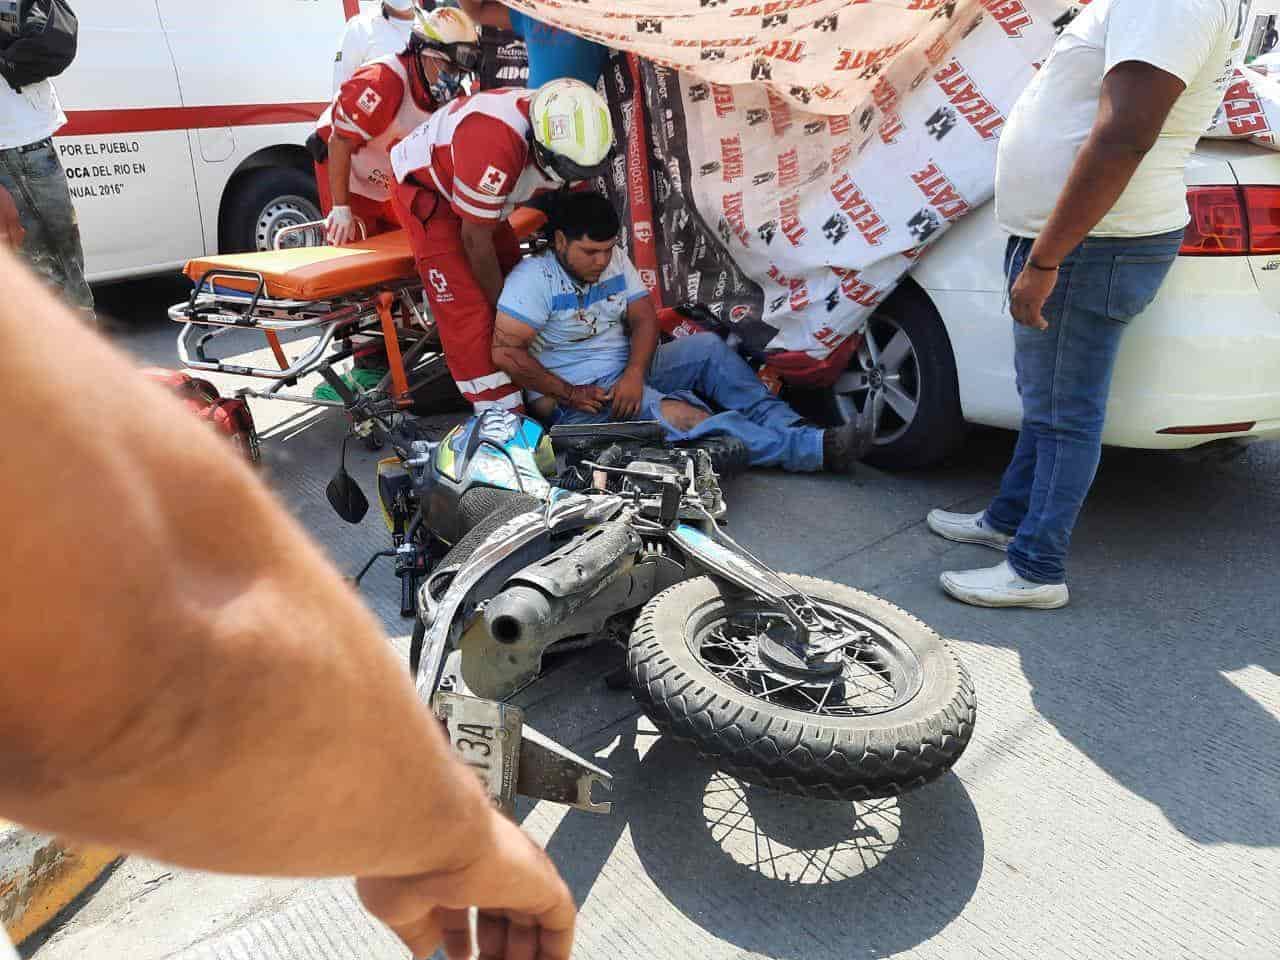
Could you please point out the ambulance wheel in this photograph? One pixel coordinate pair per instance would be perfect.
(264, 202)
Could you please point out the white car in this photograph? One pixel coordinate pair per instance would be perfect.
(1268, 64)
(1202, 364)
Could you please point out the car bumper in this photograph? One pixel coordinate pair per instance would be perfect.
(1206, 352)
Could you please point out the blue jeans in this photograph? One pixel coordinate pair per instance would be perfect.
(33, 174)
(1064, 376)
(704, 368)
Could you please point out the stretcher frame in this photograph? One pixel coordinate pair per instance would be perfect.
(361, 315)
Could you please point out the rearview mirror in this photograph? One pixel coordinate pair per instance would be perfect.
(346, 497)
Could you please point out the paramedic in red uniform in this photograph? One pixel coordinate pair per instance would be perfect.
(460, 175)
(383, 102)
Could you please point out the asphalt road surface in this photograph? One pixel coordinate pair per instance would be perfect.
(1121, 796)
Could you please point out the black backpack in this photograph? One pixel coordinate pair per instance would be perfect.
(44, 44)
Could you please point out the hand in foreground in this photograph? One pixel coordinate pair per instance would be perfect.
(1028, 296)
(12, 232)
(628, 393)
(340, 226)
(587, 398)
(525, 910)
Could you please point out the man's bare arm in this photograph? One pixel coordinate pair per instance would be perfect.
(628, 392)
(477, 243)
(185, 674)
(1135, 102)
(487, 13)
(341, 150)
(643, 320)
(511, 341)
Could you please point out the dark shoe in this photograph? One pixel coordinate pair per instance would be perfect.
(845, 445)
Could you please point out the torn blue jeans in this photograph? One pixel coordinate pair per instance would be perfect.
(705, 371)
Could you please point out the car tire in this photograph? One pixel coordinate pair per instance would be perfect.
(262, 203)
(920, 369)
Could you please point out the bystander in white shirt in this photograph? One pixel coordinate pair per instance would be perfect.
(28, 115)
(1198, 41)
(368, 36)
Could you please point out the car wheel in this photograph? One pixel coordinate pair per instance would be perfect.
(264, 203)
(906, 370)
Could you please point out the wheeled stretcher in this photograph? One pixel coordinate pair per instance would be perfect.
(318, 306)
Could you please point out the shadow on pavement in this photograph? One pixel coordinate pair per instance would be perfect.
(777, 875)
(1163, 670)
(1152, 703)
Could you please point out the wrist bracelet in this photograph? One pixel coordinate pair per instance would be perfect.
(1035, 266)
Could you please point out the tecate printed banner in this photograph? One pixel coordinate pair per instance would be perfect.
(804, 154)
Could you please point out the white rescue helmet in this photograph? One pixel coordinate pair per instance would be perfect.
(572, 130)
(449, 33)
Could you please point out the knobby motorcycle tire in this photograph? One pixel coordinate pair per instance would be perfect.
(823, 757)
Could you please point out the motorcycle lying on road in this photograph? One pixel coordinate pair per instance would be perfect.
(533, 542)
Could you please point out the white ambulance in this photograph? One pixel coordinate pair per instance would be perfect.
(187, 122)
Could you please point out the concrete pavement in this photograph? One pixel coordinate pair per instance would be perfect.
(1121, 796)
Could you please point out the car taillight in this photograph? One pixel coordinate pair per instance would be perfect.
(1262, 213)
(1232, 221)
(1217, 226)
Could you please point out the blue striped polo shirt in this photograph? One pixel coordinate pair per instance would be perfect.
(581, 337)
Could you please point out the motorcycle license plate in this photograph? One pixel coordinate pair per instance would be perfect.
(485, 736)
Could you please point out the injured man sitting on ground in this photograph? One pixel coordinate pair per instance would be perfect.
(577, 330)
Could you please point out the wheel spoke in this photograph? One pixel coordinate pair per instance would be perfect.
(854, 381)
(826, 693)
(871, 347)
(899, 402)
(730, 649)
(895, 352)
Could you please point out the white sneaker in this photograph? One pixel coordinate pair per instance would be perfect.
(967, 528)
(999, 586)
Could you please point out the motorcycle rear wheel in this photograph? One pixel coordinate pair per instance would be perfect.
(899, 715)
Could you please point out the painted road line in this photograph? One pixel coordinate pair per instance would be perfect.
(40, 875)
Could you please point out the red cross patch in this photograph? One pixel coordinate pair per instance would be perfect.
(493, 181)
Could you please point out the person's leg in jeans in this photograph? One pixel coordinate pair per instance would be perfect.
(708, 366)
(34, 176)
(705, 365)
(685, 417)
(1064, 375)
(1068, 380)
(1007, 510)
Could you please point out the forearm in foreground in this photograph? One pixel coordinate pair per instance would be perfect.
(186, 676)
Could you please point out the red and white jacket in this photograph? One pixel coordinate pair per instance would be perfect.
(377, 108)
(476, 154)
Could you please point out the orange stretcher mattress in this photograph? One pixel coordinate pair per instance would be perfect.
(318, 273)
(315, 273)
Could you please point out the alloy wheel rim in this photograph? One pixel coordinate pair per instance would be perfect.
(884, 372)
